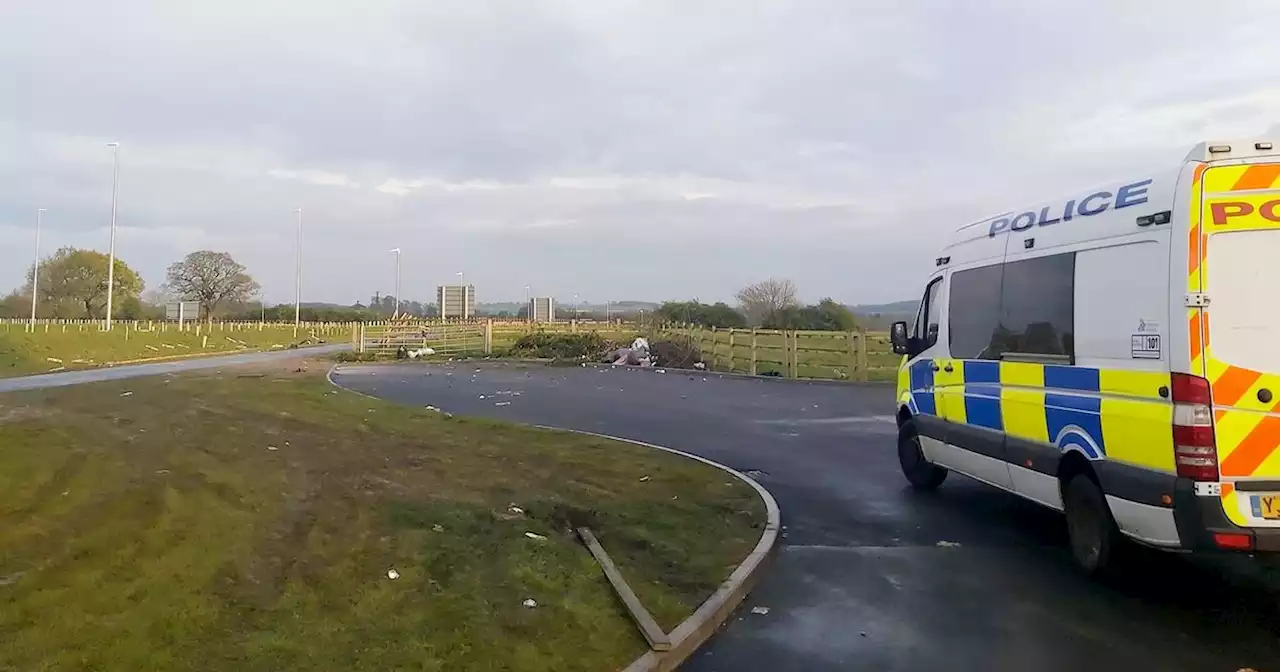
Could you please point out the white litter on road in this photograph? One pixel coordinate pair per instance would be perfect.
(502, 403)
(762, 611)
(948, 544)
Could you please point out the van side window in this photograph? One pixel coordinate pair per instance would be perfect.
(929, 318)
(973, 315)
(1037, 305)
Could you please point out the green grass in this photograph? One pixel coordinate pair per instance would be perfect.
(147, 525)
(78, 346)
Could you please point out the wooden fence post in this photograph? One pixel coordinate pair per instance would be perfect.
(753, 350)
(852, 338)
(864, 369)
(715, 357)
(732, 331)
(488, 337)
(795, 354)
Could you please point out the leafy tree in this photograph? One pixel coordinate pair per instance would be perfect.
(693, 312)
(827, 315)
(73, 284)
(212, 278)
(763, 301)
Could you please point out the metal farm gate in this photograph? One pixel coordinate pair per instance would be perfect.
(451, 339)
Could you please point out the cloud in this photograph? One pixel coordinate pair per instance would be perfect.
(828, 141)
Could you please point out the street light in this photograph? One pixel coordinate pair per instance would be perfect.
(528, 304)
(463, 288)
(297, 281)
(577, 310)
(111, 253)
(35, 270)
(396, 312)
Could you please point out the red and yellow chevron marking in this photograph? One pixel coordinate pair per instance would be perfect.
(1247, 429)
(1252, 177)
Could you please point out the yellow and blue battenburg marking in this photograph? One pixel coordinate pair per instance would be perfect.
(1056, 405)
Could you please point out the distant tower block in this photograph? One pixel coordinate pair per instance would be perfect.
(542, 309)
(457, 302)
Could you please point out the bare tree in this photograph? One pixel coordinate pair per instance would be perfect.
(210, 278)
(762, 301)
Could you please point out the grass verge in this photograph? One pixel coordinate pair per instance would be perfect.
(229, 522)
(79, 346)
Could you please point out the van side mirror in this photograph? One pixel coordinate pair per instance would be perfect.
(899, 339)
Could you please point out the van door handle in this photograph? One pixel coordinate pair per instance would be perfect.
(933, 365)
(948, 368)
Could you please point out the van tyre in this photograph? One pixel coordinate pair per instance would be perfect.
(1094, 537)
(920, 473)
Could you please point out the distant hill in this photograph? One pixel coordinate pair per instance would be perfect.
(895, 308)
(878, 316)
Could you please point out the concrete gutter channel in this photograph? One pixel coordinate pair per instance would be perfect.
(694, 631)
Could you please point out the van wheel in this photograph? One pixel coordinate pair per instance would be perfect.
(919, 472)
(1093, 534)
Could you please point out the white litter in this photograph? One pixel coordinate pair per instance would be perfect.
(699, 366)
(760, 610)
(126, 394)
(482, 396)
(529, 603)
(432, 408)
(437, 528)
(948, 544)
(644, 478)
(272, 448)
(535, 536)
(55, 360)
(502, 403)
(393, 574)
(515, 509)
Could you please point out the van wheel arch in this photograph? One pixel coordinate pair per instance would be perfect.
(1095, 539)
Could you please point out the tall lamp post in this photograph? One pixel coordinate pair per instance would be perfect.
(297, 280)
(528, 303)
(462, 288)
(111, 252)
(396, 313)
(35, 269)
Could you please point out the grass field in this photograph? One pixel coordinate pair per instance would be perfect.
(238, 522)
(56, 347)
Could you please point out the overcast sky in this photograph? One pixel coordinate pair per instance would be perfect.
(618, 149)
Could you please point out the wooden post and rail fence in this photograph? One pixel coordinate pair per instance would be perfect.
(838, 355)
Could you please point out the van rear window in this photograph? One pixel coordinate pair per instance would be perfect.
(1242, 272)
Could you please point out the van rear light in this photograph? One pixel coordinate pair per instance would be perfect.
(1195, 452)
(1233, 541)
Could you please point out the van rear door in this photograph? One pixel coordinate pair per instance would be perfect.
(1237, 242)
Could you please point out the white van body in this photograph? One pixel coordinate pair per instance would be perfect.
(1128, 334)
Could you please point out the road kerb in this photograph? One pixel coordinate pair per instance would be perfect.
(716, 610)
(694, 631)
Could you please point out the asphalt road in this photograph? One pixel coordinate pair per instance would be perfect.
(64, 378)
(872, 576)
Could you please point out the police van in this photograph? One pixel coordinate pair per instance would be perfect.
(1113, 354)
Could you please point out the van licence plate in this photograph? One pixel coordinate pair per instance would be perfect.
(1269, 505)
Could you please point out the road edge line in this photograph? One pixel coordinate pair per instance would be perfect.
(695, 630)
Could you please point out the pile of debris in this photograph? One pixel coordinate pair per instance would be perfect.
(674, 354)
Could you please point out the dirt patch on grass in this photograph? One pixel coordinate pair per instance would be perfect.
(225, 521)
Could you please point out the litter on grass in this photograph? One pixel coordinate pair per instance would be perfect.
(535, 536)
